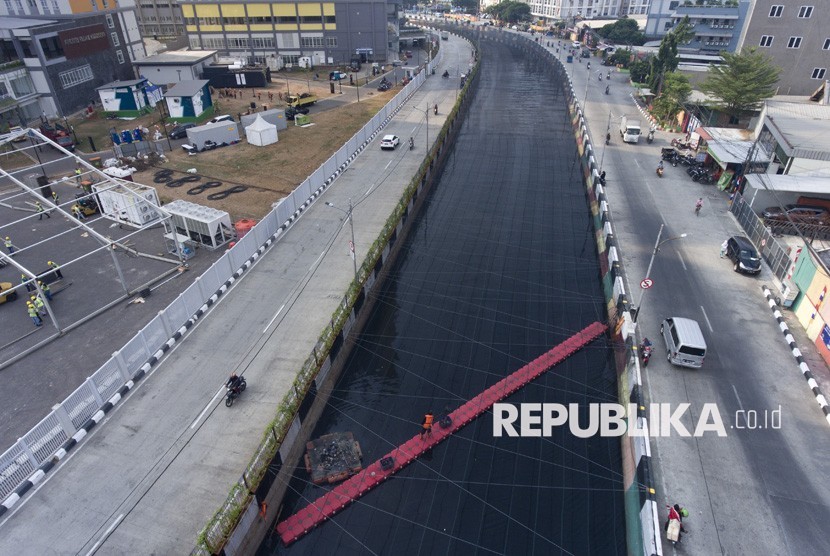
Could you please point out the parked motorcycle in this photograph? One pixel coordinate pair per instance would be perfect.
(233, 393)
(681, 144)
(670, 155)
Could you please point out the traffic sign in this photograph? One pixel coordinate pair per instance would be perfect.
(646, 283)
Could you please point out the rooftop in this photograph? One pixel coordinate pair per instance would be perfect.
(126, 83)
(186, 88)
(800, 128)
(176, 58)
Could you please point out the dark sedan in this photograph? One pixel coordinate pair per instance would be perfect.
(180, 131)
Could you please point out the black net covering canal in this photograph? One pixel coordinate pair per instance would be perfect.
(500, 267)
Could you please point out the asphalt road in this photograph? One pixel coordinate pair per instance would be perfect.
(761, 491)
(500, 267)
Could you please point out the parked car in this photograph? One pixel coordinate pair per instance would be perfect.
(292, 111)
(180, 131)
(389, 142)
(384, 85)
(798, 213)
(338, 75)
(743, 255)
(223, 118)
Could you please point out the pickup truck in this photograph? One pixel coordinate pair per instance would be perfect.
(303, 99)
(59, 135)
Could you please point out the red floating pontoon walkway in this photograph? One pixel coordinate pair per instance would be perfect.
(345, 493)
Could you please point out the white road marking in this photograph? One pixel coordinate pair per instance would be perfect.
(273, 319)
(709, 324)
(738, 397)
(106, 534)
(317, 261)
(207, 407)
(388, 164)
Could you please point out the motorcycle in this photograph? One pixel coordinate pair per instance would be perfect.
(233, 393)
(650, 136)
(645, 351)
(607, 138)
(607, 88)
(600, 77)
(660, 170)
(411, 143)
(681, 144)
(445, 74)
(436, 109)
(609, 75)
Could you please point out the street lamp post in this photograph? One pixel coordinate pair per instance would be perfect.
(348, 214)
(605, 145)
(426, 113)
(657, 245)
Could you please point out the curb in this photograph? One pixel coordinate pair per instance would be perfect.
(805, 369)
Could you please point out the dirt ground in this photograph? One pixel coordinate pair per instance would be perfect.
(270, 173)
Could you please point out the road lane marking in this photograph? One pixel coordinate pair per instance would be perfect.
(273, 319)
(738, 397)
(106, 534)
(207, 407)
(387, 165)
(709, 324)
(317, 261)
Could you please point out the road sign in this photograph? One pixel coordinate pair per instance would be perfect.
(646, 283)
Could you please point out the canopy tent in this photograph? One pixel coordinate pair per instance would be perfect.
(261, 133)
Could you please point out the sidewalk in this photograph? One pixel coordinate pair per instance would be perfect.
(149, 479)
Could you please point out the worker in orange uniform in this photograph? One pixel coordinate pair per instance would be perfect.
(427, 424)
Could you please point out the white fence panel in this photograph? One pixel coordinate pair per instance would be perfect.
(212, 280)
(154, 334)
(239, 254)
(351, 146)
(80, 405)
(176, 314)
(303, 192)
(193, 298)
(15, 467)
(260, 231)
(45, 438)
(134, 354)
(330, 166)
(108, 379)
(285, 210)
(317, 178)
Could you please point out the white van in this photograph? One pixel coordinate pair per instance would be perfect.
(685, 345)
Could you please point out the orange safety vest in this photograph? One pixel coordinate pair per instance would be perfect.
(428, 421)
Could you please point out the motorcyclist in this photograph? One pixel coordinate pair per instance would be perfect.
(608, 138)
(609, 75)
(411, 143)
(435, 108)
(607, 88)
(233, 382)
(646, 343)
(600, 77)
(660, 166)
(446, 73)
(698, 205)
(589, 65)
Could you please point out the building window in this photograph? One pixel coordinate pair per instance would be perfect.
(9, 6)
(120, 56)
(44, 7)
(311, 19)
(331, 42)
(19, 6)
(55, 8)
(673, 5)
(776, 11)
(766, 41)
(329, 19)
(818, 73)
(307, 42)
(291, 58)
(805, 12)
(75, 76)
(115, 41)
(794, 42)
(110, 22)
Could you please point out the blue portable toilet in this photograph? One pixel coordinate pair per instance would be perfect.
(126, 137)
(116, 139)
(570, 59)
(137, 134)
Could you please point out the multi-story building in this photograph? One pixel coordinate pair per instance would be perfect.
(64, 59)
(122, 11)
(716, 28)
(796, 35)
(160, 19)
(18, 98)
(327, 33)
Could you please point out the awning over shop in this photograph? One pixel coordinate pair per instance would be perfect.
(729, 152)
(814, 183)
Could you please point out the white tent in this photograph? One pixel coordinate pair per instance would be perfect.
(261, 132)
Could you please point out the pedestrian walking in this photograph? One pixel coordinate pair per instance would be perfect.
(47, 291)
(25, 281)
(426, 424)
(41, 212)
(723, 247)
(33, 313)
(56, 268)
(10, 247)
(39, 305)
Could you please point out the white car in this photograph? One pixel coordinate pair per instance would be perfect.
(389, 142)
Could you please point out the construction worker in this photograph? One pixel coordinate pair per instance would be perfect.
(76, 210)
(426, 425)
(33, 313)
(41, 212)
(47, 291)
(55, 198)
(39, 305)
(25, 280)
(78, 175)
(10, 246)
(55, 267)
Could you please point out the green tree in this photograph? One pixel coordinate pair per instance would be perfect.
(639, 70)
(667, 59)
(742, 82)
(621, 56)
(509, 11)
(676, 91)
(623, 31)
(469, 6)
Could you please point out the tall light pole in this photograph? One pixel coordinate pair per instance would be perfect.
(657, 245)
(607, 135)
(348, 214)
(426, 113)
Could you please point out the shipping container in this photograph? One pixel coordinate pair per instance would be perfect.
(220, 133)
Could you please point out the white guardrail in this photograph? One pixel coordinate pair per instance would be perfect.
(32, 456)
